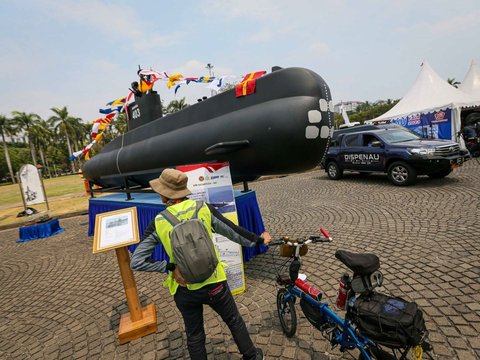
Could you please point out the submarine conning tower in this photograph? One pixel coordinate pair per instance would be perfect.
(144, 109)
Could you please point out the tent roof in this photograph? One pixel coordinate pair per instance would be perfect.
(429, 93)
(471, 83)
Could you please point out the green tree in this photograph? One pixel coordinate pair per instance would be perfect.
(453, 82)
(7, 128)
(368, 111)
(82, 134)
(42, 136)
(24, 122)
(116, 128)
(228, 86)
(62, 123)
(176, 105)
(19, 155)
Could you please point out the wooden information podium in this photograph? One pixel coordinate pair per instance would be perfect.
(138, 321)
(116, 230)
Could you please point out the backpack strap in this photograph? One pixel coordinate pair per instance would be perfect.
(197, 209)
(172, 219)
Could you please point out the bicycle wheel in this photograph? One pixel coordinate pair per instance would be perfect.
(286, 313)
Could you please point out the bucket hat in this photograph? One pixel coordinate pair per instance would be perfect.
(172, 184)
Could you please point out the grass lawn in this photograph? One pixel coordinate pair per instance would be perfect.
(65, 194)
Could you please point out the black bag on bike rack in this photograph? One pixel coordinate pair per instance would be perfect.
(389, 321)
(312, 314)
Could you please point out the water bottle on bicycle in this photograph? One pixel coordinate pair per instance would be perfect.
(377, 325)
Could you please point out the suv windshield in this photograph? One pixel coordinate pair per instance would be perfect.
(396, 136)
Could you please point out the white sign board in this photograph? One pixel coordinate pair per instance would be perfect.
(31, 185)
(212, 183)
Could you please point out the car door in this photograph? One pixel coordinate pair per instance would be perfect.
(351, 151)
(372, 152)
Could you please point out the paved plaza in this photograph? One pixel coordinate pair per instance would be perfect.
(59, 301)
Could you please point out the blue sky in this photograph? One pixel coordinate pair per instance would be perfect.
(82, 54)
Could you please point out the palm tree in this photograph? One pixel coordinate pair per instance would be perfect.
(176, 105)
(7, 128)
(80, 132)
(114, 129)
(60, 121)
(453, 82)
(119, 126)
(24, 122)
(42, 137)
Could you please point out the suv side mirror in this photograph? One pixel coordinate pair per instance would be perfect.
(376, 143)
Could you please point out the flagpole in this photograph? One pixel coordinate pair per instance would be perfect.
(210, 67)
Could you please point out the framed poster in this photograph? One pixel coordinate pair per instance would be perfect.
(115, 229)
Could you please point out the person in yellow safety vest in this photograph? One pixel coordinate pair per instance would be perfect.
(190, 298)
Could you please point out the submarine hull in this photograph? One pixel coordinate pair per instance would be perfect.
(284, 127)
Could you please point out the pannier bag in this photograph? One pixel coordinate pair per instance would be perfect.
(312, 314)
(192, 248)
(389, 321)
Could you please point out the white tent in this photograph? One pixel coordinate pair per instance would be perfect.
(471, 83)
(430, 94)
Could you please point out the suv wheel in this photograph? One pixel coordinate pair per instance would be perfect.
(440, 174)
(401, 174)
(333, 170)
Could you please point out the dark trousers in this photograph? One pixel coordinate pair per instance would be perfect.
(220, 299)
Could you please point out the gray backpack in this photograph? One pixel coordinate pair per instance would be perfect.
(192, 248)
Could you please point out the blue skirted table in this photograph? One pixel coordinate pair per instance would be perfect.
(149, 205)
(40, 230)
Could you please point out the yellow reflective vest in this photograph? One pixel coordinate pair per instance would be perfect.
(185, 211)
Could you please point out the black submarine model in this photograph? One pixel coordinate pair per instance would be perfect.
(284, 127)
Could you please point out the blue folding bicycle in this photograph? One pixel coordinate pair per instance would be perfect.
(378, 325)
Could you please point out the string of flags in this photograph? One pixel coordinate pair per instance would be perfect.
(147, 79)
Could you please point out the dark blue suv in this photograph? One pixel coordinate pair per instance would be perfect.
(396, 151)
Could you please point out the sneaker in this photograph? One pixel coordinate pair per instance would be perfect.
(259, 354)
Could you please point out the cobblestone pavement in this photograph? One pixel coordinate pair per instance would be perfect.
(58, 300)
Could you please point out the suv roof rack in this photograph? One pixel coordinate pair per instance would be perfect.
(365, 127)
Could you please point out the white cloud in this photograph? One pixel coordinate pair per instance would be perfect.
(246, 9)
(456, 24)
(262, 36)
(319, 49)
(16, 60)
(118, 22)
(196, 67)
(449, 25)
(114, 19)
(193, 91)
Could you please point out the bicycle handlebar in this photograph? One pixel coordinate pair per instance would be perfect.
(302, 241)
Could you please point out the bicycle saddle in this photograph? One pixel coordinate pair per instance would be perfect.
(360, 264)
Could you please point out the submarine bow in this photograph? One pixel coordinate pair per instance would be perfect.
(284, 127)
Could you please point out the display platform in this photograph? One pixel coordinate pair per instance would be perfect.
(149, 205)
(40, 230)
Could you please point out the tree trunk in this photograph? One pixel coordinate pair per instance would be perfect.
(69, 146)
(7, 158)
(32, 147)
(45, 163)
(79, 165)
(32, 151)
